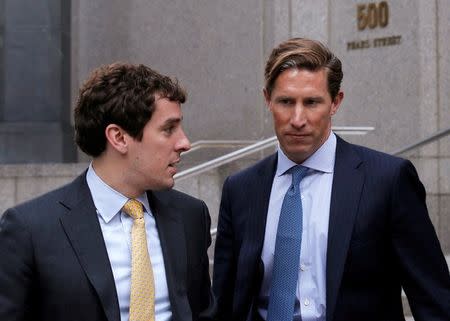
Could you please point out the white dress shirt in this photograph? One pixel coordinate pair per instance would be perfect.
(116, 228)
(316, 195)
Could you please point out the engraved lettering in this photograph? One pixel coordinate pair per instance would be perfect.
(372, 15)
(358, 44)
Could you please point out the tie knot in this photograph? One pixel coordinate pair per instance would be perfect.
(298, 172)
(134, 208)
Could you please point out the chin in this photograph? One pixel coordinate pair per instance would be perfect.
(166, 185)
(297, 156)
(170, 184)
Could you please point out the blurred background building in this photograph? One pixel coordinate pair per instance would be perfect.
(396, 81)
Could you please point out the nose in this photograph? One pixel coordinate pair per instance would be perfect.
(298, 117)
(183, 144)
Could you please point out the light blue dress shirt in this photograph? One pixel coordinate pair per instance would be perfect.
(316, 195)
(116, 229)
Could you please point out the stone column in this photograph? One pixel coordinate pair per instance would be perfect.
(35, 82)
(2, 50)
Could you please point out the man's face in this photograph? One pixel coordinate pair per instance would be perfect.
(301, 107)
(153, 160)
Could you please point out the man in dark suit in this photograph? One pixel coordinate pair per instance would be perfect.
(323, 229)
(117, 243)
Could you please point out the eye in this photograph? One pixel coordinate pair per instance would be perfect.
(285, 101)
(311, 102)
(169, 130)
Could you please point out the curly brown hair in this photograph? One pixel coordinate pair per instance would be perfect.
(306, 54)
(121, 94)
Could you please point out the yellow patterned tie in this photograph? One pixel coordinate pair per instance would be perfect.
(142, 294)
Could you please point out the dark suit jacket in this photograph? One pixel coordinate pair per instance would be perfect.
(380, 238)
(54, 264)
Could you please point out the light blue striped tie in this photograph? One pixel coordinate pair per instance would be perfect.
(287, 251)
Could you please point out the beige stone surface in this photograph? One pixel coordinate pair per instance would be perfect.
(390, 88)
(19, 183)
(215, 49)
(444, 175)
(207, 187)
(30, 187)
(434, 210)
(42, 170)
(443, 17)
(188, 186)
(210, 191)
(444, 143)
(311, 19)
(7, 193)
(427, 168)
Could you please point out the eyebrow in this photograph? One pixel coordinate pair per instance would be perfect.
(174, 120)
(287, 97)
(315, 98)
(284, 97)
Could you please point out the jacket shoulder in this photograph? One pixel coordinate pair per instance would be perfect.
(373, 156)
(367, 155)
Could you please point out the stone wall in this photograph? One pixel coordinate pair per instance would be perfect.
(35, 91)
(19, 183)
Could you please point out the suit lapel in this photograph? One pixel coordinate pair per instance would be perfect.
(348, 180)
(252, 244)
(259, 203)
(172, 238)
(83, 230)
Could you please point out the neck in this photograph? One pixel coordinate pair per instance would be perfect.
(113, 173)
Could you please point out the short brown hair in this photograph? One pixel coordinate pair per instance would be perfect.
(121, 94)
(301, 53)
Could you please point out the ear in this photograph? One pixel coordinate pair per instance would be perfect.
(266, 97)
(117, 138)
(337, 102)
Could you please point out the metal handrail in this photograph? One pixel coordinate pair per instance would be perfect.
(217, 144)
(422, 142)
(225, 159)
(253, 148)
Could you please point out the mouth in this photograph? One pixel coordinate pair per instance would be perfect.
(297, 135)
(174, 164)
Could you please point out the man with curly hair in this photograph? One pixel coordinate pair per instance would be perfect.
(117, 243)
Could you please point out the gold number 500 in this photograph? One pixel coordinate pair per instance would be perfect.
(372, 15)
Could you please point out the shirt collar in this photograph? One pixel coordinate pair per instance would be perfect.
(107, 200)
(322, 160)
